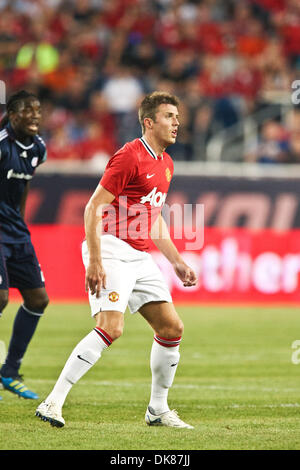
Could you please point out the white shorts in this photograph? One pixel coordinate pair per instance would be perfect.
(132, 277)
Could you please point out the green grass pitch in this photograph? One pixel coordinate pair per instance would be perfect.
(236, 383)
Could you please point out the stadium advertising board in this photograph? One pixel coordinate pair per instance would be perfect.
(235, 265)
(228, 202)
(251, 249)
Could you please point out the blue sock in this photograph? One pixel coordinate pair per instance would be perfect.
(23, 329)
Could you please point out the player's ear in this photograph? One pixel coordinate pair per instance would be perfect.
(148, 123)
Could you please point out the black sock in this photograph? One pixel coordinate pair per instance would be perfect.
(24, 327)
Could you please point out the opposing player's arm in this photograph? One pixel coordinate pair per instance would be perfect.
(160, 236)
(24, 199)
(95, 276)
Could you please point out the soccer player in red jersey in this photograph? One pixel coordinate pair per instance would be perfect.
(121, 216)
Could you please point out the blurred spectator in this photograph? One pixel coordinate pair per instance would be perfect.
(10, 38)
(143, 56)
(293, 120)
(91, 62)
(286, 21)
(272, 146)
(61, 147)
(276, 74)
(99, 111)
(122, 90)
(96, 144)
(179, 66)
(58, 81)
(202, 131)
(38, 48)
(294, 148)
(75, 97)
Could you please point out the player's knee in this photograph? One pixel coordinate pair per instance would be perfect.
(111, 322)
(180, 328)
(115, 332)
(176, 329)
(3, 299)
(173, 330)
(38, 303)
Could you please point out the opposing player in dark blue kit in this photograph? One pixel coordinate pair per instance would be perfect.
(21, 151)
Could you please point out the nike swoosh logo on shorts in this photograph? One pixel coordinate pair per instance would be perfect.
(81, 358)
(150, 176)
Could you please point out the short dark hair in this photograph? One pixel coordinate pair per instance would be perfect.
(13, 103)
(150, 103)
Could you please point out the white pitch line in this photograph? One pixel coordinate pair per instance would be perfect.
(107, 383)
(243, 406)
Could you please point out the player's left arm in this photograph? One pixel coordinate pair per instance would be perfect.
(24, 199)
(160, 236)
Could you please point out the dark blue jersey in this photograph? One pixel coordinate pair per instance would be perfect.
(17, 166)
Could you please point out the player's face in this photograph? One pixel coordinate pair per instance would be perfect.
(165, 126)
(27, 118)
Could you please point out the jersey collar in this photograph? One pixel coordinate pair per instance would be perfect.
(150, 150)
(13, 137)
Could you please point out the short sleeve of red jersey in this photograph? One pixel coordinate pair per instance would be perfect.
(121, 168)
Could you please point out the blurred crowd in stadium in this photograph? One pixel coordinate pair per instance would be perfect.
(91, 62)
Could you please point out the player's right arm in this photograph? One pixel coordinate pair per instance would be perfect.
(95, 275)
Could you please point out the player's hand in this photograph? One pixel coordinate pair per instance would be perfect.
(185, 274)
(95, 278)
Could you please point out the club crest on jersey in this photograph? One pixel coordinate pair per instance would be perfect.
(155, 198)
(113, 296)
(168, 175)
(34, 161)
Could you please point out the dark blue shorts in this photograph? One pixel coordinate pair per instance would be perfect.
(19, 267)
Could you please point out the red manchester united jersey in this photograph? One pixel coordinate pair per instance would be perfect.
(139, 180)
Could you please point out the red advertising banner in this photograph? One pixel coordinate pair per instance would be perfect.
(236, 265)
